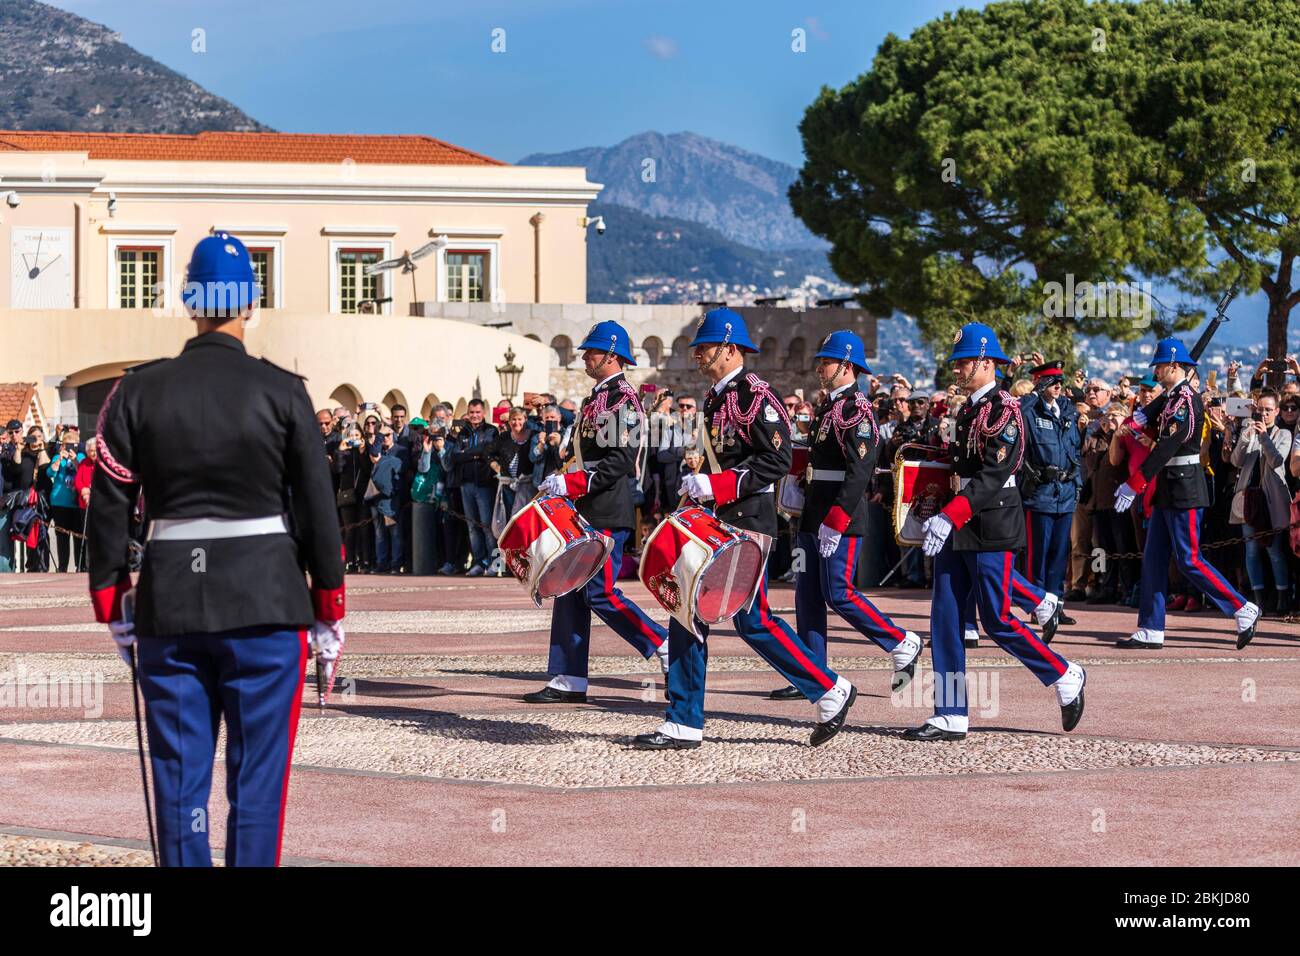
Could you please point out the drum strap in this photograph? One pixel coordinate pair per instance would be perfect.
(710, 455)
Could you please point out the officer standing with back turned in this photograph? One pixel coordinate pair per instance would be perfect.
(237, 491)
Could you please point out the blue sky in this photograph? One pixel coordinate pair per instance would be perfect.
(574, 72)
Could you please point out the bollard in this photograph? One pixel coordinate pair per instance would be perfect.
(424, 538)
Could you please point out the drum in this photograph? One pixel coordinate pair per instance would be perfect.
(789, 493)
(551, 549)
(698, 567)
(921, 489)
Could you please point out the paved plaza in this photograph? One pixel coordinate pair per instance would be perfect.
(427, 755)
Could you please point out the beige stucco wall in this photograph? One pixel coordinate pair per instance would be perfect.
(303, 208)
(372, 354)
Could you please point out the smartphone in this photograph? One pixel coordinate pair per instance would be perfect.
(1276, 365)
(1239, 407)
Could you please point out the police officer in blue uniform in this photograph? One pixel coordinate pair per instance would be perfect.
(972, 540)
(845, 444)
(1050, 478)
(747, 449)
(1175, 421)
(610, 436)
(236, 487)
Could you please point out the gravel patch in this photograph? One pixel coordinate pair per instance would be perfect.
(39, 851)
(583, 749)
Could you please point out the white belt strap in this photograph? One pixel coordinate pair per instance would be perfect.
(191, 529)
(827, 474)
(1183, 460)
(1009, 483)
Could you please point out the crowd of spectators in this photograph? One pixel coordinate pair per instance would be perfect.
(441, 489)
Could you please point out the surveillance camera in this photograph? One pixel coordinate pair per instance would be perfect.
(112, 204)
(600, 227)
(13, 199)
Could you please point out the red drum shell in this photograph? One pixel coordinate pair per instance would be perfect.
(551, 549)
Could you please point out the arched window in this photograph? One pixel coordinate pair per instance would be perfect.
(654, 351)
(681, 357)
(426, 408)
(395, 397)
(767, 353)
(796, 360)
(561, 351)
(347, 397)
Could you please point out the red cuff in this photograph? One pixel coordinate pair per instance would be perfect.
(1137, 481)
(957, 511)
(108, 601)
(575, 484)
(723, 485)
(838, 519)
(328, 603)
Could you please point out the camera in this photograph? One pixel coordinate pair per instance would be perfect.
(32, 440)
(14, 200)
(1276, 365)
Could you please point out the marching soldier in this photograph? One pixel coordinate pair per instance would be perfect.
(972, 540)
(842, 460)
(611, 432)
(747, 450)
(1045, 606)
(1174, 420)
(239, 501)
(1050, 479)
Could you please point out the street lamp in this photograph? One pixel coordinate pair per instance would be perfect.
(509, 375)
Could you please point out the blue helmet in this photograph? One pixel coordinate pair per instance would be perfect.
(845, 346)
(726, 327)
(976, 340)
(610, 337)
(1172, 350)
(220, 282)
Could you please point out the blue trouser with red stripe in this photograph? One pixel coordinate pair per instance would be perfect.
(770, 636)
(252, 677)
(987, 575)
(571, 618)
(1178, 529)
(1047, 549)
(830, 580)
(1024, 595)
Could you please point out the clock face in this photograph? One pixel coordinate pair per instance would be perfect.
(40, 268)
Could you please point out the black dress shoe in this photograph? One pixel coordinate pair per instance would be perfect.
(661, 741)
(1072, 712)
(824, 731)
(549, 695)
(1244, 637)
(1065, 618)
(1129, 644)
(929, 732)
(903, 676)
(786, 693)
(971, 642)
(1075, 594)
(1103, 597)
(1053, 622)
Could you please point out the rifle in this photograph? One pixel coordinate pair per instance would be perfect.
(1220, 316)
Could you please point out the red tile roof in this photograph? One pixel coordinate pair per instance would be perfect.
(248, 147)
(15, 400)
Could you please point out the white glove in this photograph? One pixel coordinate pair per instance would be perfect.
(697, 487)
(1140, 417)
(123, 634)
(828, 539)
(1124, 496)
(555, 485)
(327, 638)
(936, 531)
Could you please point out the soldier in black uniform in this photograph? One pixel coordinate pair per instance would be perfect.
(237, 491)
(989, 522)
(842, 461)
(1175, 420)
(610, 434)
(747, 449)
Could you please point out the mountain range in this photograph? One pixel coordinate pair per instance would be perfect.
(59, 71)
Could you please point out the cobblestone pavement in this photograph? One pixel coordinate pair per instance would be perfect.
(427, 749)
